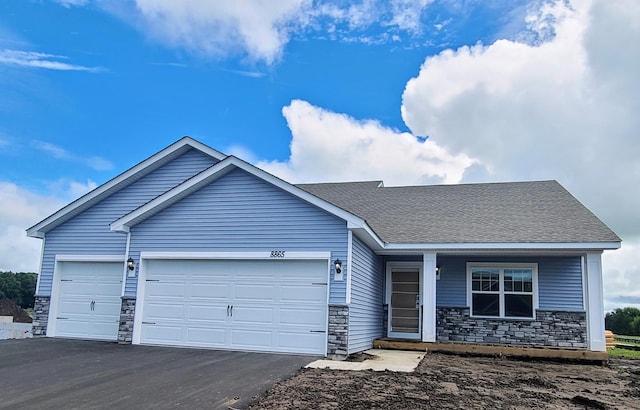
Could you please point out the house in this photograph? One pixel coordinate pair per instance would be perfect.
(191, 247)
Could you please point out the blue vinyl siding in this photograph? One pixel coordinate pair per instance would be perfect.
(240, 212)
(88, 233)
(560, 283)
(559, 280)
(367, 297)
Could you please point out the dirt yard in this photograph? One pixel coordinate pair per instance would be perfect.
(454, 382)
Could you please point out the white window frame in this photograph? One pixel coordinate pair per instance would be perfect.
(501, 266)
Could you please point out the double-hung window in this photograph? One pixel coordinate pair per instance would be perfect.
(502, 290)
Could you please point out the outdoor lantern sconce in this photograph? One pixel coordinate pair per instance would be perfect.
(438, 271)
(338, 265)
(131, 264)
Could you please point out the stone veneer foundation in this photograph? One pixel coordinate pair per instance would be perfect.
(127, 313)
(338, 340)
(549, 329)
(41, 315)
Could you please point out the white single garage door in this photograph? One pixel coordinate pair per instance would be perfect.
(88, 305)
(258, 305)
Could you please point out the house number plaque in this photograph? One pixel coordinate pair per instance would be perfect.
(277, 254)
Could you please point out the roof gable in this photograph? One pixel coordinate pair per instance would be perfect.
(217, 171)
(119, 182)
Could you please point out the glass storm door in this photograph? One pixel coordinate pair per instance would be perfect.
(404, 307)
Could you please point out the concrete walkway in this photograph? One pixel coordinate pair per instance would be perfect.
(393, 360)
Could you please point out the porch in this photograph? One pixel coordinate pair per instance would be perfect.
(521, 352)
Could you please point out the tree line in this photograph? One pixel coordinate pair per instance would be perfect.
(623, 321)
(19, 287)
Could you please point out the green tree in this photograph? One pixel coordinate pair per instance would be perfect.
(27, 282)
(623, 321)
(19, 287)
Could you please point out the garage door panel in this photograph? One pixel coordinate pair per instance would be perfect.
(103, 330)
(166, 290)
(73, 327)
(257, 293)
(68, 307)
(212, 291)
(164, 311)
(302, 317)
(251, 339)
(243, 315)
(162, 334)
(301, 342)
(107, 288)
(201, 336)
(106, 308)
(76, 288)
(208, 313)
(303, 293)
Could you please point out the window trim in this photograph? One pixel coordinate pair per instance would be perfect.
(501, 266)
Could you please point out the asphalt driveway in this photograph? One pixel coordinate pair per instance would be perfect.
(48, 373)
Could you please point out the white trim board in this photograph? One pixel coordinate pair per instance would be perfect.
(89, 258)
(234, 255)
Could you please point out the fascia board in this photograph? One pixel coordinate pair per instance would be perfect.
(505, 246)
(39, 229)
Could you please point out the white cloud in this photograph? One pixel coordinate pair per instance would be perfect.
(94, 162)
(261, 29)
(40, 60)
(72, 3)
(621, 273)
(564, 108)
(19, 209)
(328, 146)
(406, 14)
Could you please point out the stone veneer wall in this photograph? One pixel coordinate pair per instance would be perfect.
(338, 331)
(41, 315)
(550, 329)
(127, 313)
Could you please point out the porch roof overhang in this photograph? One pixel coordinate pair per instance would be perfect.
(547, 248)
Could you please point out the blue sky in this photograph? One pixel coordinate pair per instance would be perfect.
(504, 91)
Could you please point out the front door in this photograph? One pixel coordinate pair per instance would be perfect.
(404, 303)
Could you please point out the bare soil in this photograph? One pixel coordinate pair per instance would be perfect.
(9, 308)
(454, 382)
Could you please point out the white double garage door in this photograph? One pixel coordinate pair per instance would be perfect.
(258, 305)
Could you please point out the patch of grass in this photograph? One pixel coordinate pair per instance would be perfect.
(624, 353)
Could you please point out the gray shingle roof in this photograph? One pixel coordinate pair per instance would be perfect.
(519, 212)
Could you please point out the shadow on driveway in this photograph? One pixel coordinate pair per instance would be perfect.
(48, 373)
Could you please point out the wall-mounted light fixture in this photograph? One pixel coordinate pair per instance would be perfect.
(438, 270)
(131, 265)
(338, 266)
